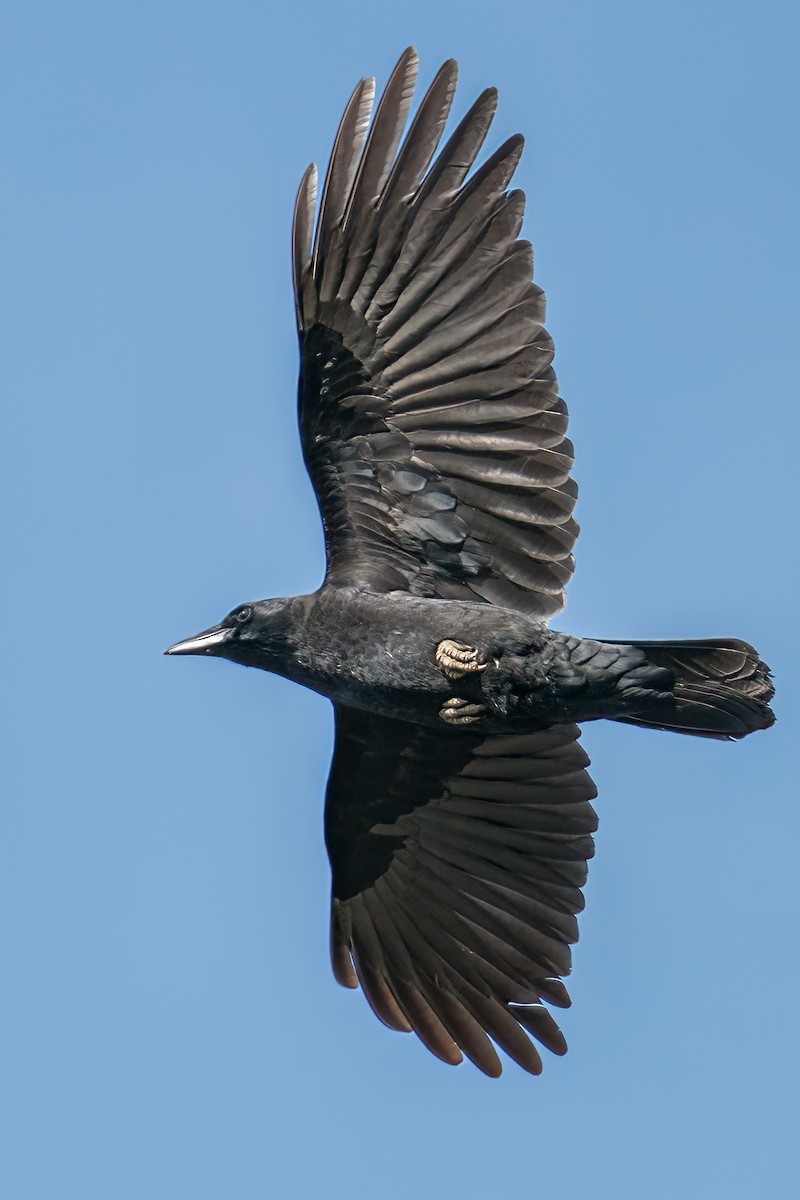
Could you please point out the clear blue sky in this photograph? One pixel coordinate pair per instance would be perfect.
(169, 1026)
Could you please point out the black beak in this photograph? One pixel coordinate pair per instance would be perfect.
(208, 642)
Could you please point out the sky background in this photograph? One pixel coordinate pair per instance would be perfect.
(169, 1026)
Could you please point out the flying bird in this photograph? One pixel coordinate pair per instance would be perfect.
(458, 815)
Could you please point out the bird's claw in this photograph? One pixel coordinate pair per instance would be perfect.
(456, 659)
(456, 711)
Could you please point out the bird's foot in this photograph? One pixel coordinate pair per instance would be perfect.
(457, 660)
(456, 711)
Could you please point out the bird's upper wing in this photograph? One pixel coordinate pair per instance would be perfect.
(457, 868)
(429, 413)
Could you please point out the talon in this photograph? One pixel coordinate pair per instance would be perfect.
(456, 711)
(457, 659)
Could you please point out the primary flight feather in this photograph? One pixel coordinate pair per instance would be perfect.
(458, 815)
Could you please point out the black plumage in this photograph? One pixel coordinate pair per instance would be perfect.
(458, 816)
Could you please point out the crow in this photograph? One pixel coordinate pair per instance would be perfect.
(458, 814)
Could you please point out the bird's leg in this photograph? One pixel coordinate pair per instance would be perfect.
(457, 660)
(456, 711)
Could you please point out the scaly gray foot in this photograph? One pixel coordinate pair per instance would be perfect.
(456, 711)
(456, 659)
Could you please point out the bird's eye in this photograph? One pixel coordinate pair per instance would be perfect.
(244, 614)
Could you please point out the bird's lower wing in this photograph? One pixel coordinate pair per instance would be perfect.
(458, 863)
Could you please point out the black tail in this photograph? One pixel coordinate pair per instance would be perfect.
(722, 689)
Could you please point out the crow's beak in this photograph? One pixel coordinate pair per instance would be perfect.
(203, 643)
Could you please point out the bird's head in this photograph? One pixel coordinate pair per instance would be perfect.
(253, 634)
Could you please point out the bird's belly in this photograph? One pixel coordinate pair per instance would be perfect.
(378, 653)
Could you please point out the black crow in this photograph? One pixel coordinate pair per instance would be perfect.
(458, 815)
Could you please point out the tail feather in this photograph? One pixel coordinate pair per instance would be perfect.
(722, 689)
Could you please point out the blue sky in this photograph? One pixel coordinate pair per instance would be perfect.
(168, 1023)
